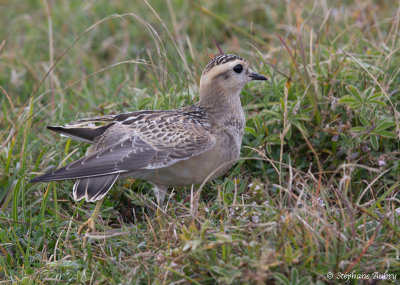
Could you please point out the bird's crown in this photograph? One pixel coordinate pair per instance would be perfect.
(221, 59)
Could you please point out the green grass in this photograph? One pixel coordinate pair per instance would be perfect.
(317, 190)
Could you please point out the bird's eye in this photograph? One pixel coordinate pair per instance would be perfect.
(238, 68)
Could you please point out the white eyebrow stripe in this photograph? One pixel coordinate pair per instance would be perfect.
(222, 68)
(220, 60)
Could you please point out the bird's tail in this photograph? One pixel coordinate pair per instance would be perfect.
(81, 133)
(93, 188)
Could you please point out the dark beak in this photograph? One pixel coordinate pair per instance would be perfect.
(256, 76)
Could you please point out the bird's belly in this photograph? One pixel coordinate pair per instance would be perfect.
(198, 169)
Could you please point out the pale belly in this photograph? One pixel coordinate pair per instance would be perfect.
(198, 169)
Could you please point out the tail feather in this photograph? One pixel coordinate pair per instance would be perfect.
(86, 134)
(93, 188)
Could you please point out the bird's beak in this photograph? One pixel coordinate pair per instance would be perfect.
(256, 76)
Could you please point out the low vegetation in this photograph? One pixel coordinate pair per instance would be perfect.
(315, 197)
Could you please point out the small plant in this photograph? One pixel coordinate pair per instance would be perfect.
(365, 101)
(294, 278)
(373, 124)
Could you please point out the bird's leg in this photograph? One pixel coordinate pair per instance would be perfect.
(91, 222)
(160, 191)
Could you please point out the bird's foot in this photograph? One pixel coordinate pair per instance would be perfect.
(90, 225)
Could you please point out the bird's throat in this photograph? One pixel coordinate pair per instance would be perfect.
(220, 103)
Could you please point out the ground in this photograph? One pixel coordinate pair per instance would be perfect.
(315, 195)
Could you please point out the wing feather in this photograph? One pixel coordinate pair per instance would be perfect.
(146, 144)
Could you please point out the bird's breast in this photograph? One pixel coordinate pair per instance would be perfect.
(206, 166)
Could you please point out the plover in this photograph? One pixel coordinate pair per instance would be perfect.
(182, 146)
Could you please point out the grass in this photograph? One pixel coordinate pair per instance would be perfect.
(316, 190)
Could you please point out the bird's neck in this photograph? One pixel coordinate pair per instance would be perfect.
(220, 103)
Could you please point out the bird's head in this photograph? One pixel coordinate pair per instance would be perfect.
(227, 73)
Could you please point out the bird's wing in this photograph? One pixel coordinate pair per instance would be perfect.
(88, 129)
(157, 141)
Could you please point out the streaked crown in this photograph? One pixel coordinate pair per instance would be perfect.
(219, 60)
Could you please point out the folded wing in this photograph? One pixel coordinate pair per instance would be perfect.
(157, 142)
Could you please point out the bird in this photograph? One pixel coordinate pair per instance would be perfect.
(185, 146)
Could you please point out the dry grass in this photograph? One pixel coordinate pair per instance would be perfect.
(317, 190)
